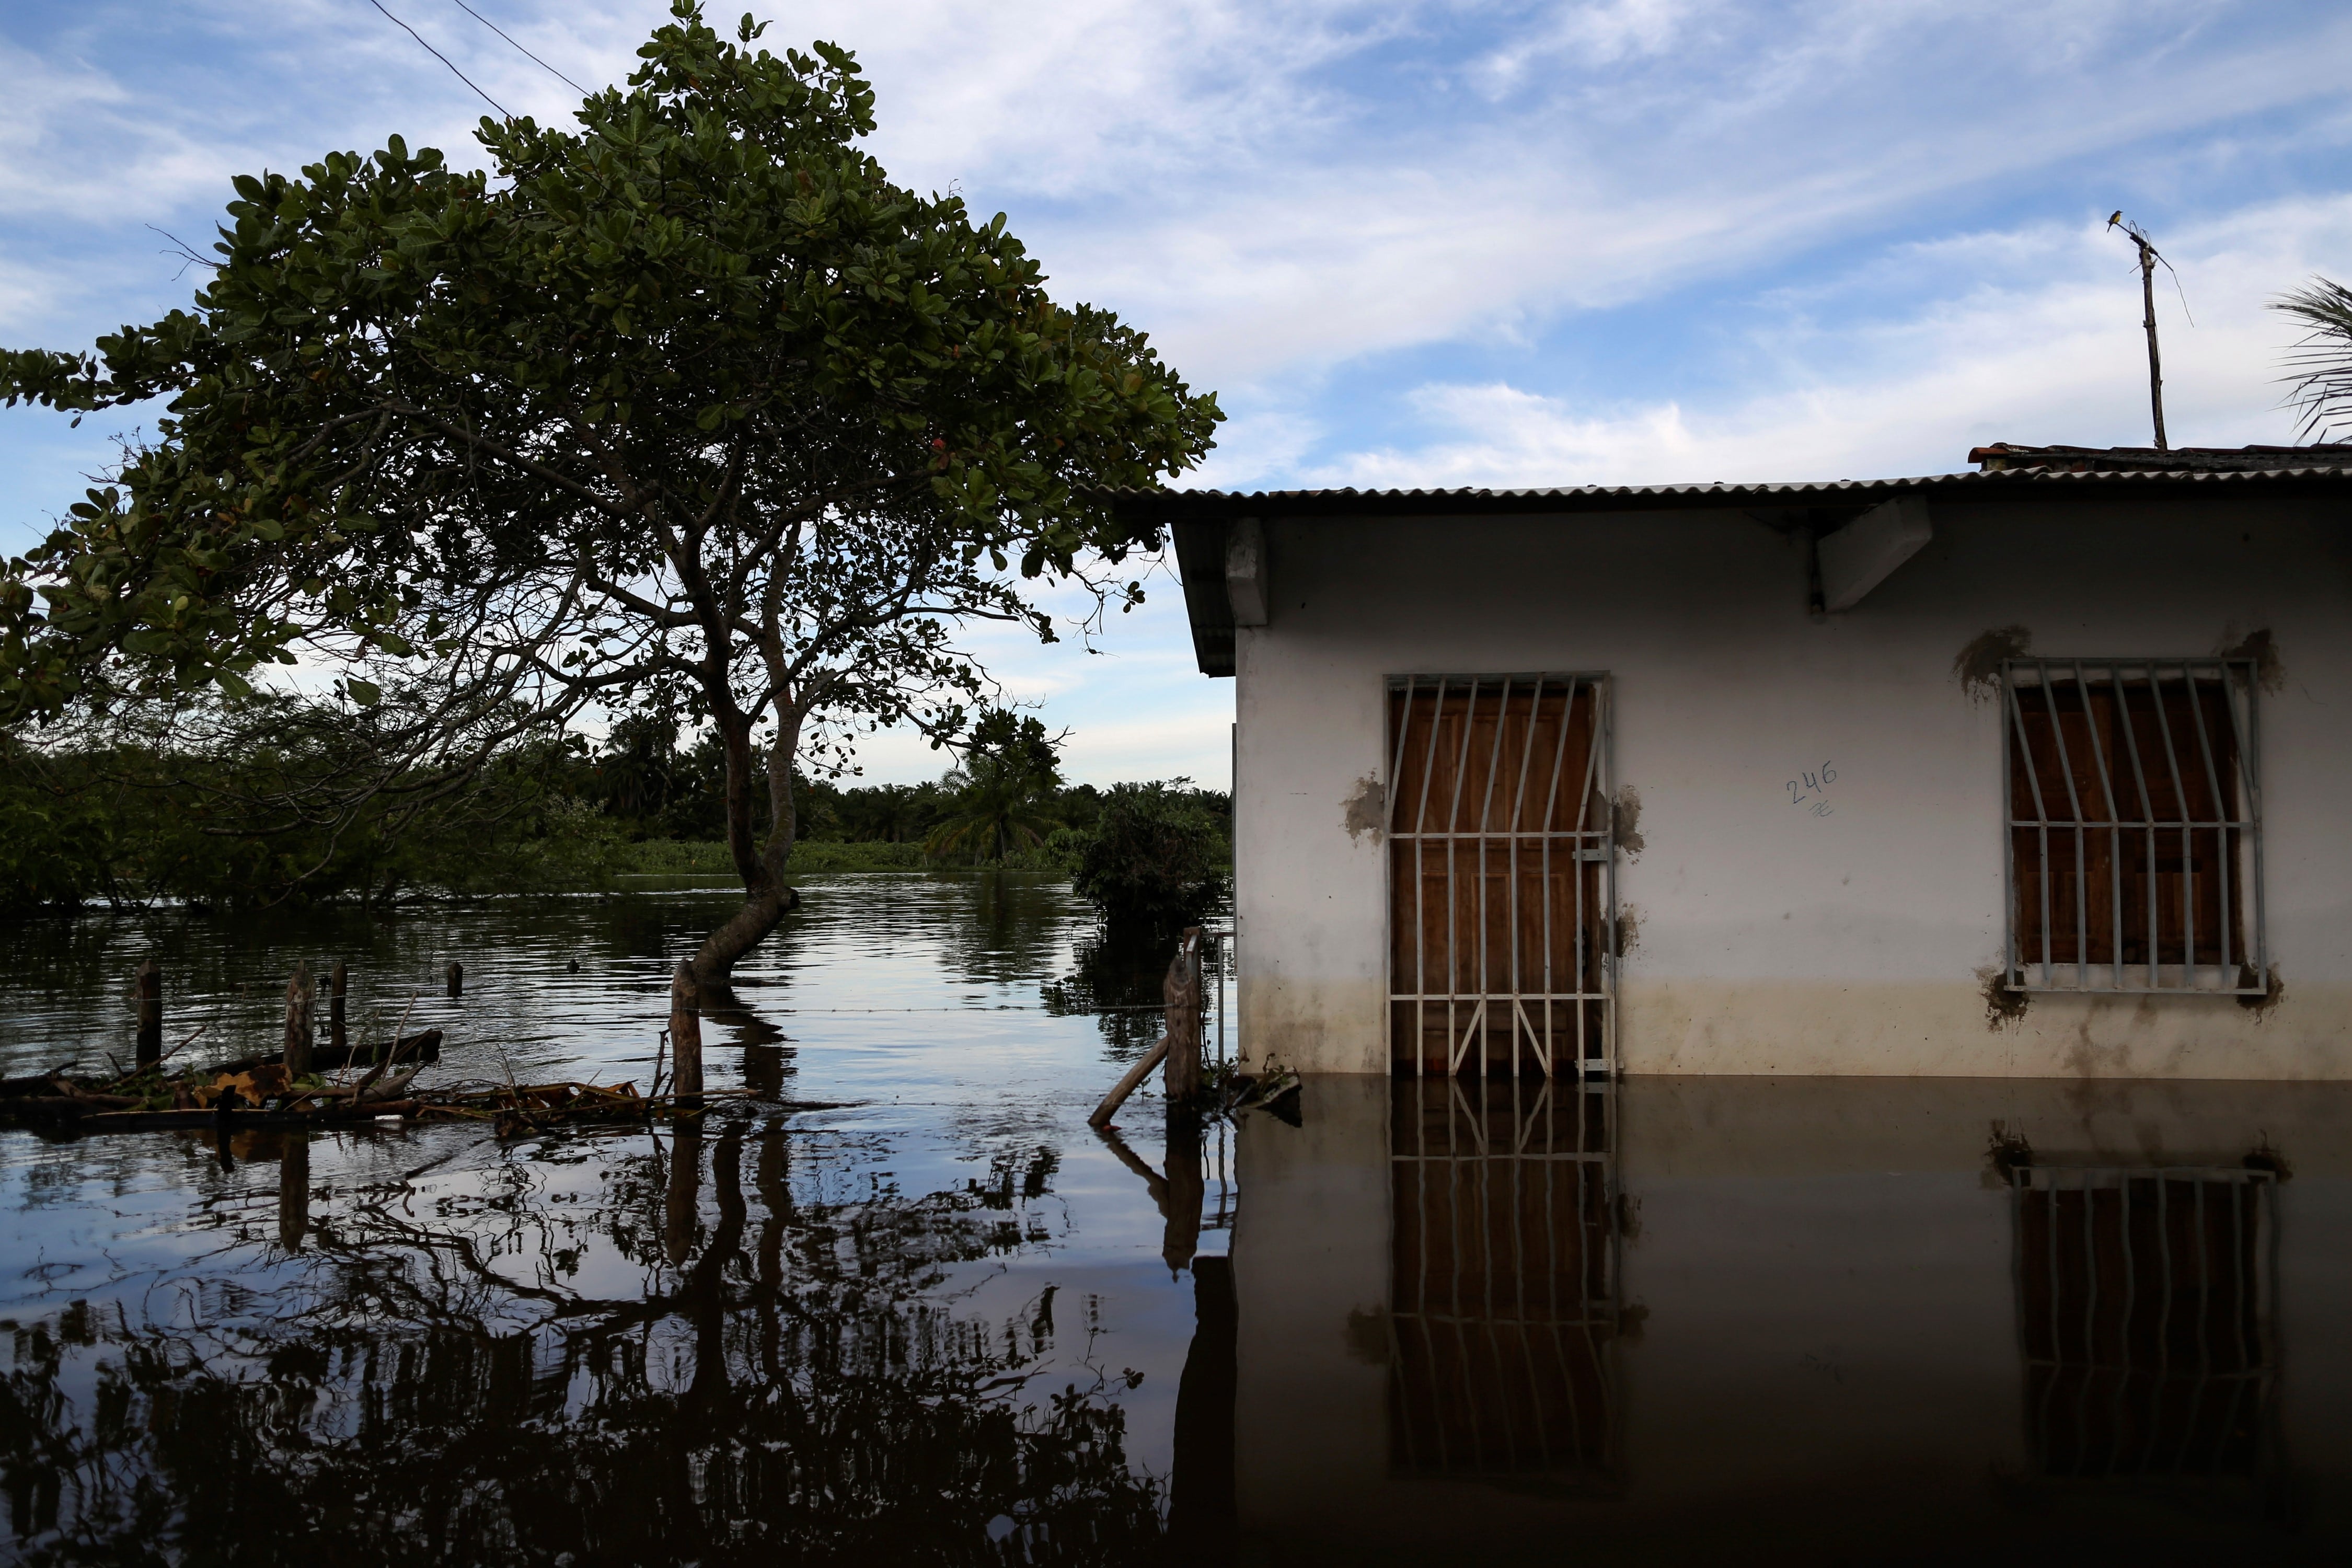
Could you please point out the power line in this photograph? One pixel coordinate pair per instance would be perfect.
(534, 59)
(444, 59)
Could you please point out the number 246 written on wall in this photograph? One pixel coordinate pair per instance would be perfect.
(1805, 787)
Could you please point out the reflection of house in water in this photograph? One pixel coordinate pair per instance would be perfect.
(2146, 1303)
(1503, 1290)
(1711, 1320)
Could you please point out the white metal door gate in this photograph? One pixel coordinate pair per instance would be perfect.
(1502, 899)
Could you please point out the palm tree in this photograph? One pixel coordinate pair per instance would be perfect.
(634, 771)
(1009, 777)
(2321, 364)
(996, 807)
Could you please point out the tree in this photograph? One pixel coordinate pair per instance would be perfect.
(690, 406)
(637, 767)
(893, 814)
(2322, 362)
(1004, 789)
(1157, 858)
(207, 805)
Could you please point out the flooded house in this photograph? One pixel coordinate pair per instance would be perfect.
(2032, 771)
(1559, 811)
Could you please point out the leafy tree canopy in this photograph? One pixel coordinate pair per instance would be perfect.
(1156, 858)
(688, 403)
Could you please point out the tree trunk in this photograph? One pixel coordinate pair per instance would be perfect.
(742, 839)
(744, 929)
(686, 1037)
(766, 896)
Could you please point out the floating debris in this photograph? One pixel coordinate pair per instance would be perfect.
(265, 1096)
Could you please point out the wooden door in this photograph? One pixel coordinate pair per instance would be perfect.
(1501, 914)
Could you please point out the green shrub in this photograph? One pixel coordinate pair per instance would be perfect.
(1157, 858)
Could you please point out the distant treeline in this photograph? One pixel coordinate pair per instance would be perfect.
(253, 817)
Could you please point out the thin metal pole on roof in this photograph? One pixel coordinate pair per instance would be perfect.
(2148, 259)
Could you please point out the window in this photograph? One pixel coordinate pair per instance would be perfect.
(2134, 826)
(1501, 913)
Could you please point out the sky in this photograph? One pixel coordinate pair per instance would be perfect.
(1614, 241)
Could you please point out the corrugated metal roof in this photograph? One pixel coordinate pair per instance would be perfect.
(2011, 483)
(2162, 459)
(1198, 519)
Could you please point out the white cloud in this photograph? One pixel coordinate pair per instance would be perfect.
(1586, 33)
(1271, 189)
(1283, 193)
(1779, 132)
(2049, 351)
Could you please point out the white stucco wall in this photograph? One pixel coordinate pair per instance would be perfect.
(1765, 939)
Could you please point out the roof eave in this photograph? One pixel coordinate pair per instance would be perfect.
(1201, 565)
(1198, 519)
(2006, 484)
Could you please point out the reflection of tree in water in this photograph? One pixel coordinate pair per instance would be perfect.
(422, 1384)
(1116, 974)
(1009, 928)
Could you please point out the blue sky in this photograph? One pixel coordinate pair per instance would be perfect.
(1625, 241)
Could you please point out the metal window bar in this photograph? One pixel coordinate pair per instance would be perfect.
(2147, 1311)
(1502, 897)
(1504, 1280)
(2133, 854)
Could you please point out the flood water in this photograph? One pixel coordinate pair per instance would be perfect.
(902, 1305)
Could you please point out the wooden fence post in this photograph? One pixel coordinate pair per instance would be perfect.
(685, 1036)
(457, 979)
(1181, 992)
(1177, 1051)
(151, 1014)
(340, 986)
(299, 994)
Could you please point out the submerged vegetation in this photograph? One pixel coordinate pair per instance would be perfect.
(218, 820)
(1158, 855)
(210, 812)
